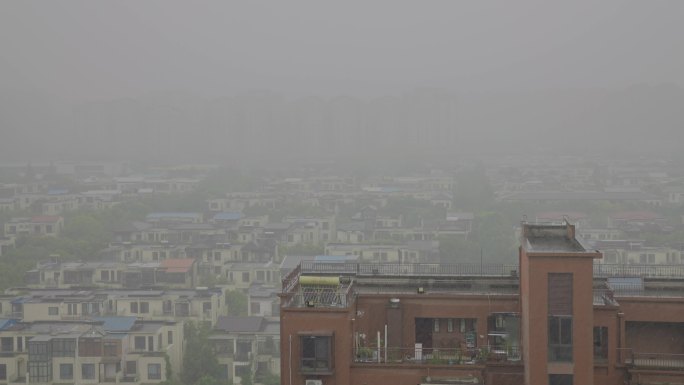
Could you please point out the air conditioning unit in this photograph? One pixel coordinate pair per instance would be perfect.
(314, 382)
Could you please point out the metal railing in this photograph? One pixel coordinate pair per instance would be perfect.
(603, 297)
(409, 269)
(323, 296)
(292, 279)
(437, 356)
(669, 361)
(605, 270)
(638, 290)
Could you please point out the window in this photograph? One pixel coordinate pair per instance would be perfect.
(206, 307)
(560, 317)
(88, 371)
(66, 371)
(560, 338)
(255, 308)
(435, 325)
(600, 343)
(167, 307)
(150, 344)
(104, 275)
(223, 372)
(3, 372)
(38, 351)
(110, 349)
(450, 325)
(139, 343)
(90, 347)
(40, 371)
(63, 347)
(560, 379)
(500, 322)
(131, 367)
(53, 310)
(154, 371)
(169, 337)
(144, 307)
(134, 307)
(242, 370)
(316, 353)
(560, 294)
(217, 255)
(7, 344)
(245, 276)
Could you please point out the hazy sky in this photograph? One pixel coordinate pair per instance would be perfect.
(79, 50)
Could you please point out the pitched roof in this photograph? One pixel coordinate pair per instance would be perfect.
(234, 324)
(45, 219)
(228, 216)
(116, 324)
(642, 215)
(177, 265)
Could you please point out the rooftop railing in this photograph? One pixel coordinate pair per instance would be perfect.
(604, 270)
(409, 269)
(323, 296)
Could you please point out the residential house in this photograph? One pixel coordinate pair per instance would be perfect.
(45, 225)
(247, 346)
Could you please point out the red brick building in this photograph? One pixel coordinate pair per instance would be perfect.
(555, 318)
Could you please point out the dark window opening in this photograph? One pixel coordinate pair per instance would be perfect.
(600, 343)
(560, 338)
(316, 353)
(560, 379)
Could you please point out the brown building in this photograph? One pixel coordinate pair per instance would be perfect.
(555, 319)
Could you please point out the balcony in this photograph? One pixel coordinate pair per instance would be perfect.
(243, 356)
(80, 317)
(443, 357)
(659, 361)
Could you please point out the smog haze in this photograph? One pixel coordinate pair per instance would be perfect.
(264, 82)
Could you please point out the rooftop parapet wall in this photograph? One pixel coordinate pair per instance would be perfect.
(551, 238)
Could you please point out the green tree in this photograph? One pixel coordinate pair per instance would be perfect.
(268, 379)
(199, 359)
(209, 380)
(246, 379)
(236, 301)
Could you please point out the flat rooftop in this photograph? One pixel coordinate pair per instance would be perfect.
(550, 238)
